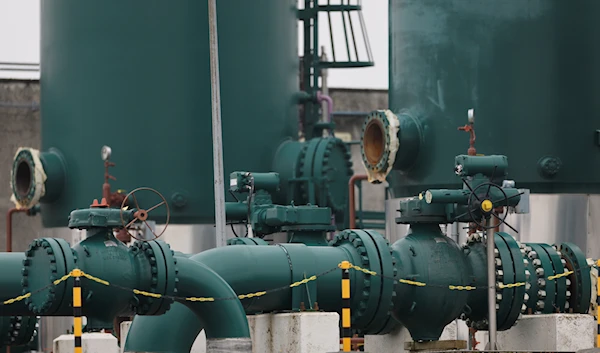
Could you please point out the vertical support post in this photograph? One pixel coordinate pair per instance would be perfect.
(216, 126)
(598, 305)
(491, 272)
(77, 324)
(346, 321)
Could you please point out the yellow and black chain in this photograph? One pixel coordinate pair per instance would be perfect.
(411, 282)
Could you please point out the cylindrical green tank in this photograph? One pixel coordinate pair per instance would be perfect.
(135, 76)
(526, 68)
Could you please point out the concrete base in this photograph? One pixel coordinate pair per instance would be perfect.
(395, 341)
(546, 333)
(549, 333)
(91, 343)
(305, 332)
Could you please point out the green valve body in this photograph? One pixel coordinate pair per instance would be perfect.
(148, 266)
(530, 278)
(426, 255)
(304, 224)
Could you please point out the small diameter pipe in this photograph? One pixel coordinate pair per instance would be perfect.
(352, 198)
(491, 272)
(9, 215)
(324, 98)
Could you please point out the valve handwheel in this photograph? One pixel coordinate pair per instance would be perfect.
(141, 214)
(485, 205)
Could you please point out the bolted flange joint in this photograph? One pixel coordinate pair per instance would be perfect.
(157, 264)
(46, 260)
(371, 251)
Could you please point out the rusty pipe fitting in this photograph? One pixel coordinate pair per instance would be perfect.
(352, 198)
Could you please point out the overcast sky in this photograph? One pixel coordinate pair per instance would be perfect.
(19, 40)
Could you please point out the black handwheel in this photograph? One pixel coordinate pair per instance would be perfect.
(486, 205)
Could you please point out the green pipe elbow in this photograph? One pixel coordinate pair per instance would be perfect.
(37, 177)
(194, 278)
(180, 326)
(162, 334)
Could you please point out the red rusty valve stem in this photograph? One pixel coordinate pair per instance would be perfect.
(471, 130)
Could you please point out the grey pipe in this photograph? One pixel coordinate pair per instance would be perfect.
(216, 126)
(491, 270)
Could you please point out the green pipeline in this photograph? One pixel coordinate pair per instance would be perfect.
(11, 265)
(435, 273)
(259, 267)
(148, 266)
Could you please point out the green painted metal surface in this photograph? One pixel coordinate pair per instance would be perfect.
(11, 265)
(256, 268)
(148, 266)
(306, 224)
(196, 278)
(527, 70)
(426, 255)
(315, 172)
(111, 75)
(581, 284)
(19, 333)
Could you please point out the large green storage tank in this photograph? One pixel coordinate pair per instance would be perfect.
(135, 76)
(528, 68)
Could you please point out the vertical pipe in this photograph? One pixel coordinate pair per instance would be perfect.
(216, 126)
(9, 215)
(491, 272)
(77, 310)
(352, 198)
(346, 322)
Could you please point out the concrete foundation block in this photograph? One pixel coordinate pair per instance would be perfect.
(91, 343)
(551, 332)
(260, 332)
(304, 332)
(394, 341)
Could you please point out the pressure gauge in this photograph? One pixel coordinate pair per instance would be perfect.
(471, 116)
(106, 151)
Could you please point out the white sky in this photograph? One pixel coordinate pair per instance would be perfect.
(19, 41)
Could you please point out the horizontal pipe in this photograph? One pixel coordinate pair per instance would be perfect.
(247, 269)
(32, 105)
(18, 64)
(349, 114)
(11, 265)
